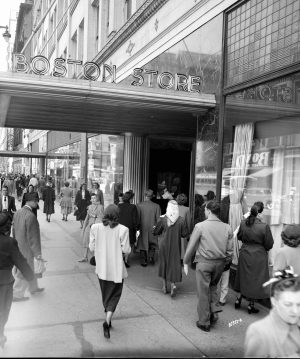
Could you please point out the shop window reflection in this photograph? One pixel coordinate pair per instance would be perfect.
(105, 165)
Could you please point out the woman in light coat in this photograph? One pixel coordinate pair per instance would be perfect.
(66, 194)
(110, 240)
(94, 215)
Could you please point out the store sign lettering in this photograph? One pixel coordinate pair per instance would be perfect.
(278, 93)
(40, 65)
(256, 159)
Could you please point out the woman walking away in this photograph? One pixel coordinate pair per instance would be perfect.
(253, 269)
(173, 228)
(94, 215)
(277, 335)
(82, 201)
(66, 200)
(49, 198)
(129, 219)
(110, 240)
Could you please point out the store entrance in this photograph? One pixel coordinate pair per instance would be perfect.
(169, 169)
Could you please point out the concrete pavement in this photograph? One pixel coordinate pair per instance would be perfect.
(66, 319)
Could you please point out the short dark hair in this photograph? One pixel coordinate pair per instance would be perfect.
(210, 195)
(260, 206)
(111, 216)
(214, 207)
(67, 184)
(181, 199)
(96, 184)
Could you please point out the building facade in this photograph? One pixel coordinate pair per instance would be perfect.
(198, 95)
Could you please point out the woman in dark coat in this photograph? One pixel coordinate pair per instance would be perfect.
(129, 218)
(173, 228)
(253, 267)
(82, 201)
(49, 198)
(31, 195)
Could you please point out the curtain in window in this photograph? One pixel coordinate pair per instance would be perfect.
(241, 154)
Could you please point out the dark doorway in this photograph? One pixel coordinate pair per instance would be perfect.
(169, 167)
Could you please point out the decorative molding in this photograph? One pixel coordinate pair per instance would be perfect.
(62, 29)
(130, 47)
(73, 6)
(148, 9)
(156, 24)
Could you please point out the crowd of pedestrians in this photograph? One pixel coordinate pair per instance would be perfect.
(162, 230)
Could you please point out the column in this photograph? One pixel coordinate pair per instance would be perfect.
(83, 158)
(135, 160)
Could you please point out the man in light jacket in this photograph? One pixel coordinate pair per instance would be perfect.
(212, 241)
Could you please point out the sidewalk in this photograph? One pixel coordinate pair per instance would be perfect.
(66, 319)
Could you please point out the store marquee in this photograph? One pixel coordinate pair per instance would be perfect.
(40, 65)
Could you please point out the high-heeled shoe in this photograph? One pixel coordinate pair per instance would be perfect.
(106, 330)
(237, 303)
(252, 309)
(173, 291)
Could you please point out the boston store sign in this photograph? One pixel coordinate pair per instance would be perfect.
(40, 65)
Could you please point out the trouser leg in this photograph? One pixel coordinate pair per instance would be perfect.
(143, 256)
(6, 295)
(216, 274)
(224, 282)
(203, 277)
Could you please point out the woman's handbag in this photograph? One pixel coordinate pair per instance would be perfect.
(39, 267)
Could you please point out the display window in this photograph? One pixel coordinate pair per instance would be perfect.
(261, 156)
(105, 165)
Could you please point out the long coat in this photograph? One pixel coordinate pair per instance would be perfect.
(129, 218)
(49, 198)
(253, 268)
(148, 216)
(82, 204)
(170, 248)
(26, 231)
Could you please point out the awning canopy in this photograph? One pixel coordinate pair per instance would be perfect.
(52, 103)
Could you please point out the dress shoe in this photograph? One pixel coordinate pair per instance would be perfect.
(173, 291)
(127, 265)
(221, 304)
(106, 330)
(37, 290)
(205, 328)
(213, 318)
(151, 260)
(22, 299)
(144, 264)
(252, 309)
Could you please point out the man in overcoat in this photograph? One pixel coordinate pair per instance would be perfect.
(148, 215)
(26, 231)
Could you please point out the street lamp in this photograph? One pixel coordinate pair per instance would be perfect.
(6, 34)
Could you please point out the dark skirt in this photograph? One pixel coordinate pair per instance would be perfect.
(111, 294)
(252, 272)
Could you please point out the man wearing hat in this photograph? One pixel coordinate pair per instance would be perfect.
(10, 256)
(148, 215)
(26, 231)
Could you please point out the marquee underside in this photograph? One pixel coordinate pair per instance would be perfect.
(48, 103)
